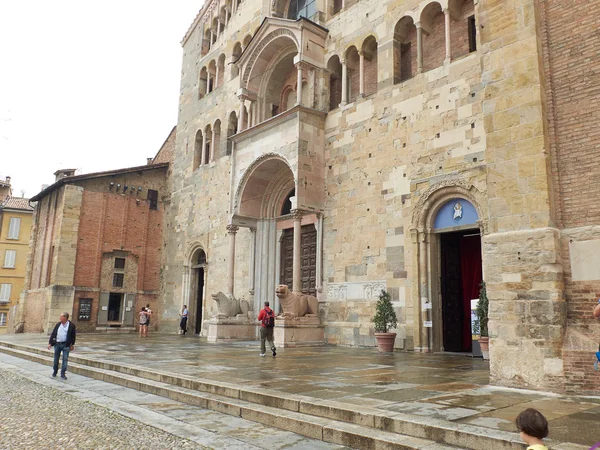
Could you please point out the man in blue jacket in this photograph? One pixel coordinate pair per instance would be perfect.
(63, 341)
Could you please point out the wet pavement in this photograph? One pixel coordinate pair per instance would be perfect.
(448, 387)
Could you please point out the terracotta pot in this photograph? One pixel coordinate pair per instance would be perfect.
(484, 343)
(385, 341)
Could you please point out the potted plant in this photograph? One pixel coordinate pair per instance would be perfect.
(385, 318)
(482, 321)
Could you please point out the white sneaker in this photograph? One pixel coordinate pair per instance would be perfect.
(262, 354)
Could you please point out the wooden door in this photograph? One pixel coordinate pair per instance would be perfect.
(308, 252)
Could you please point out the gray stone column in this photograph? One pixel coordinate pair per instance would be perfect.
(213, 141)
(232, 230)
(241, 116)
(251, 261)
(361, 87)
(419, 48)
(297, 266)
(299, 85)
(344, 83)
(203, 148)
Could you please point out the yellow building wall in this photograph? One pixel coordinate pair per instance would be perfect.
(13, 276)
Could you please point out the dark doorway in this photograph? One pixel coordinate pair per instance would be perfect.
(461, 276)
(114, 307)
(308, 253)
(199, 298)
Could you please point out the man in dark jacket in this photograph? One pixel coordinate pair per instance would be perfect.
(63, 341)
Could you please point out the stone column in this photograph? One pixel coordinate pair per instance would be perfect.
(448, 44)
(419, 48)
(297, 266)
(251, 261)
(241, 116)
(216, 84)
(250, 115)
(232, 230)
(344, 83)
(299, 85)
(212, 37)
(212, 146)
(361, 87)
(227, 15)
(203, 148)
(423, 289)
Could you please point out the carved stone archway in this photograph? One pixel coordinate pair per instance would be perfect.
(426, 242)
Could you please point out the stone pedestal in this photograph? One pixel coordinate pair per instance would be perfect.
(232, 329)
(304, 331)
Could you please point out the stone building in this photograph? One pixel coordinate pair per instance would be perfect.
(95, 248)
(15, 227)
(344, 146)
(5, 189)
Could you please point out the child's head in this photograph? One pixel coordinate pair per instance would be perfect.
(532, 423)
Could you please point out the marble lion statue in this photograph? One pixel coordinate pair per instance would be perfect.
(296, 304)
(229, 306)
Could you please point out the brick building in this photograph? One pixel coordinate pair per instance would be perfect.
(15, 226)
(95, 249)
(343, 146)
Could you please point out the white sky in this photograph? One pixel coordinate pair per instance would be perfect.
(87, 85)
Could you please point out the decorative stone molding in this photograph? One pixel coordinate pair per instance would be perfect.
(232, 229)
(261, 46)
(365, 291)
(248, 173)
(433, 198)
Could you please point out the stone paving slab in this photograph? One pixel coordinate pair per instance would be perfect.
(163, 423)
(449, 387)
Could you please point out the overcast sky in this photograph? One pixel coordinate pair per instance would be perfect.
(86, 85)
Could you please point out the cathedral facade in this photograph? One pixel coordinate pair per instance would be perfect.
(345, 147)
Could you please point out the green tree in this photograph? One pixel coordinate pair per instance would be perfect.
(482, 310)
(385, 316)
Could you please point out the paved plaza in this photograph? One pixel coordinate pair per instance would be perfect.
(448, 387)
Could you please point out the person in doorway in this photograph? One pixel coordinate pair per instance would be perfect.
(184, 317)
(63, 341)
(149, 313)
(534, 428)
(266, 316)
(143, 322)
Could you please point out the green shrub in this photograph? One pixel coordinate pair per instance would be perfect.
(482, 310)
(385, 316)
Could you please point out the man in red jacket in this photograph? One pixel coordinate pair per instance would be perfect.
(266, 316)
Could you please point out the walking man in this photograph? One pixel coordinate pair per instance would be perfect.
(267, 323)
(184, 317)
(63, 341)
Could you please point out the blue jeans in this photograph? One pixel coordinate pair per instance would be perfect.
(61, 347)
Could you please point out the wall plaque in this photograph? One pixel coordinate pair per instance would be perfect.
(85, 309)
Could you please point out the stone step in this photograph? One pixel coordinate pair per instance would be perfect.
(370, 421)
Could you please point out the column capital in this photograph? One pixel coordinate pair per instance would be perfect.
(297, 214)
(232, 229)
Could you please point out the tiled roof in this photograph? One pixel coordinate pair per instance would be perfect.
(16, 203)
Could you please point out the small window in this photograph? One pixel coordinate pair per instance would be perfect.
(153, 198)
(5, 292)
(287, 203)
(10, 256)
(118, 279)
(14, 227)
(472, 34)
(2, 319)
(119, 263)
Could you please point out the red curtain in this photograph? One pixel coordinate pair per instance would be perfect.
(470, 261)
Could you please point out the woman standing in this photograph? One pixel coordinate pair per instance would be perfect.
(143, 322)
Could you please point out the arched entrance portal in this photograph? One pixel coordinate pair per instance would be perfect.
(285, 238)
(460, 274)
(197, 283)
(447, 229)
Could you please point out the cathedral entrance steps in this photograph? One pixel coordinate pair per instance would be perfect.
(356, 426)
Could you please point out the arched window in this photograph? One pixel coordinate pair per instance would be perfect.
(231, 130)
(202, 83)
(207, 145)
(434, 36)
(335, 81)
(197, 150)
(216, 148)
(463, 31)
(201, 259)
(405, 49)
(237, 52)
(369, 49)
(212, 68)
(302, 8)
(353, 65)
